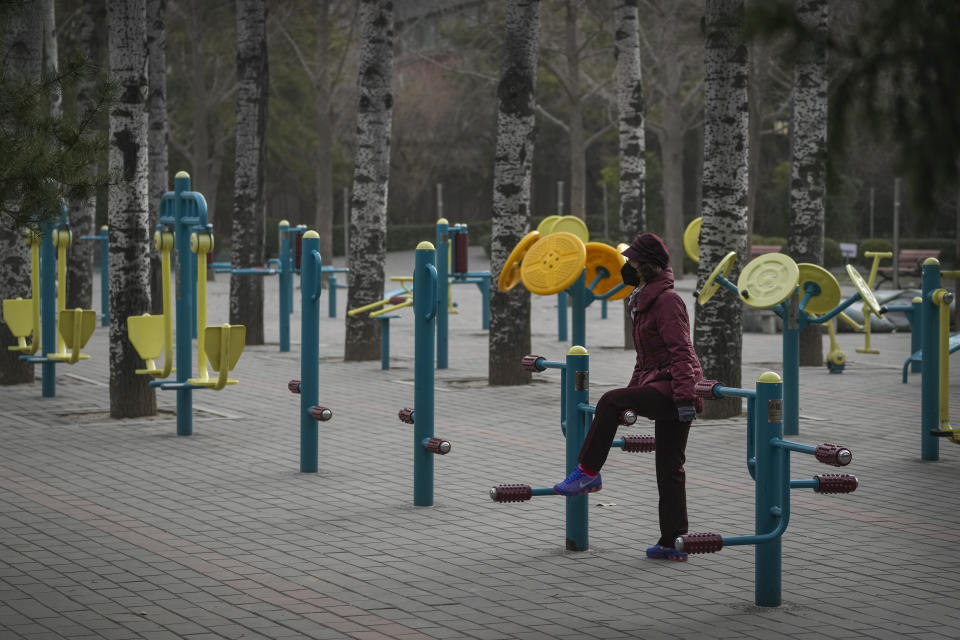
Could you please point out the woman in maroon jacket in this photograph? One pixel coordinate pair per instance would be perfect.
(662, 389)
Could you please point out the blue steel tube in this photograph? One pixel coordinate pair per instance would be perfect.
(791, 365)
(425, 283)
(562, 316)
(577, 391)
(930, 365)
(286, 284)
(772, 484)
(310, 265)
(578, 309)
(186, 301)
(443, 290)
(48, 310)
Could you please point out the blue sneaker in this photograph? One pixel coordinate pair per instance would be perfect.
(577, 483)
(666, 553)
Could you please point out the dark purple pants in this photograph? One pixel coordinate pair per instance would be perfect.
(671, 437)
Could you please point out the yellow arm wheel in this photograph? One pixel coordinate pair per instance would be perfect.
(546, 225)
(603, 256)
(572, 224)
(510, 274)
(553, 263)
(868, 298)
(768, 280)
(691, 239)
(723, 268)
(829, 295)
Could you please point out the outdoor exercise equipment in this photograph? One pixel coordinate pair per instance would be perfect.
(561, 262)
(104, 275)
(799, 295)
(182, 227)
(575, 418)
(452, 268)
(308, 386)
(867, 309)
(426, 301)
(768, 461)
(54, 328)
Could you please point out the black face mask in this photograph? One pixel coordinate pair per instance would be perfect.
(629, 275)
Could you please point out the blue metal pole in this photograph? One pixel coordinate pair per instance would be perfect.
(916, 331)
(562, 316)
(186, 302)
(443, 290)
(772, 482)
(310, 265)
(425, 300)
(577, 391)
(930, 367)
(286, 284)
(332, 299)
(385, 342)
(791, 366)
(578, 309)
(48, 310)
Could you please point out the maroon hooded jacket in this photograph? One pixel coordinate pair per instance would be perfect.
(666, 359)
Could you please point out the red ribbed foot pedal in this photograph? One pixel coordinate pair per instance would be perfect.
(511, 493)
(529, 363)
(833, 454)
(398, 299)
(639, 444)
(705, 389)
(294, 386)
(836, 483)
(700, 542)
(438, 446)
(321, 414)
(406, 415)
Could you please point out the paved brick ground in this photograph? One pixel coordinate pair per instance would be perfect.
(120, 529)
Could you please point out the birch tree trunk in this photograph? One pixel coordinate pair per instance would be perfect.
(808, 148)
(22, 40)
(128, 218)
(249, 215)
(510, 311)
(371, 173)
(630, 109)
(82, 216)
(157, 132)
(718, 333)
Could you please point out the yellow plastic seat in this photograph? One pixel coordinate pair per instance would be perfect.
(75, 326)
(146, 335)
(223, 346)
(18, 314)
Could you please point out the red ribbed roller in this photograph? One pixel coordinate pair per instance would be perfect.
(639, 444)
(461, 242)
(700, 542)
(529, 363)
(398, 299)
(406, 415)
(438, 446)
(704, 388)
(511, 493)
(833, 454)
(294, 386)
(321, 414)
(837, 483)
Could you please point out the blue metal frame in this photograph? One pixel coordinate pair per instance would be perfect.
(930, 364)
(310, 266)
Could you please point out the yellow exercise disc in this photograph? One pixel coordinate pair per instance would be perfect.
(768, 280)
(829, 295)
(868, 298)
(603, 256)
(510, 274)
(691, 239)
(572, 224)
(723, 268)
(553, 263)
(546, 225)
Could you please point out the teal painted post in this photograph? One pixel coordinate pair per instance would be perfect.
(791, 365)
(184, 225)
(310, 265)
(443, 291)
(916, 332)
(562, 316)
(385, 341)
(772, 485)
(930, 367)
(578, 309)
(286, 284)
(48, 310)
(577, 391)
(425, 301)
(332, 300)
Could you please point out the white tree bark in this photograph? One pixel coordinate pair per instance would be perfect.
(159, 182)
(128, 219)
(717, 334)
(630, 107)
(368, 210)
(249, 215)
(22, 59)
(510, 311)
(808, 161)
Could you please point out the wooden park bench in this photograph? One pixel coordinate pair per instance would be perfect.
(910, 263)
(760, 249)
